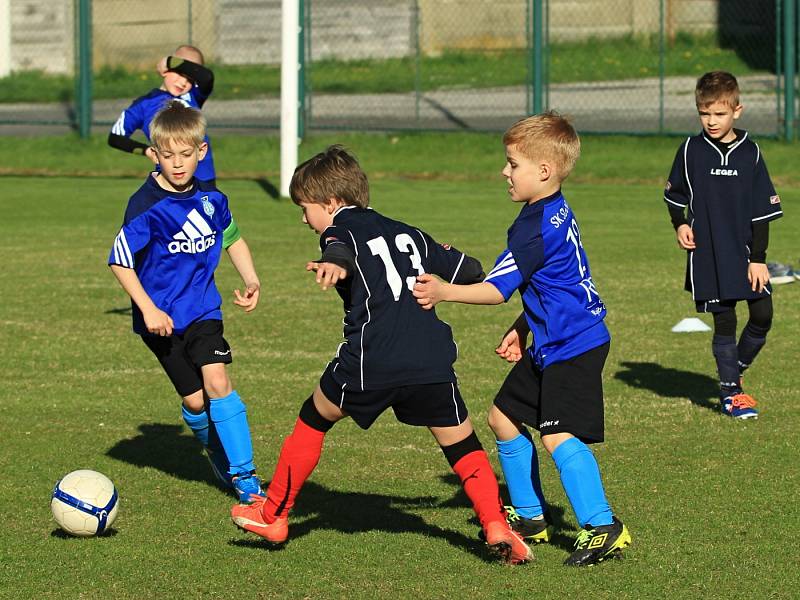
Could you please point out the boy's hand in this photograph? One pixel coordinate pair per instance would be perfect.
(758, 276)
(328, 274)
(428, 291)
(161, 67)
(157, 321)
(511, 346)
(685, 237)
(249, 300)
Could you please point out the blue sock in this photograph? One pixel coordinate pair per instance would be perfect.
(521, 471)
(580, 477)
(198, 423)
(229, 417)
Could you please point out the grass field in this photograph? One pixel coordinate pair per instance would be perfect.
(711, 503)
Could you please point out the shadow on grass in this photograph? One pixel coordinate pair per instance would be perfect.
(120, 311)
(563, 536)
(667, 382)
(357, 512)
(61, 534)
(166, 448)
(269, 188)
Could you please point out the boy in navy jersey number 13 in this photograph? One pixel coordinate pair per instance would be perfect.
(721, 177)
(164, 257)
(394, 354)
(556, 384)
(185, 79)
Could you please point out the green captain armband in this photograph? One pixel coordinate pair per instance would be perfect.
(230, 235)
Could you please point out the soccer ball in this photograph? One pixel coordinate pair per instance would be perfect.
(84, 503)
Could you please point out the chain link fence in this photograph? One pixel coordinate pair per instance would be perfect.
(615, 66)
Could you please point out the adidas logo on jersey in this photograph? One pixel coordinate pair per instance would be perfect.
(195, 236)
(728, 172)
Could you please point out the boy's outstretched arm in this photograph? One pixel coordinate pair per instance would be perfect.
(336, 264)
(199, 74)
(155, 319)
(429, 291)
(242, 259)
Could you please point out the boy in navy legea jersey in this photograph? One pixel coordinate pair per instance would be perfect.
(556, 384)
(721, 176)
(394, 354)
(185, 79)
(164, 257)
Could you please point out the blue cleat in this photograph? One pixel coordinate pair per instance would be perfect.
(247, 485)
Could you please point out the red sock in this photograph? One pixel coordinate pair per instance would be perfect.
(298, 459)
(480, 484)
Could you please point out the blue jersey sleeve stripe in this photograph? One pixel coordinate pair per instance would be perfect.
(117, 250)
(119, 126)
(124, 242)
(498, 273)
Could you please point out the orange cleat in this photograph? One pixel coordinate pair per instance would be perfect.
(506, 543)
(250, 518)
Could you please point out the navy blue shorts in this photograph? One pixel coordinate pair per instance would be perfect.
(426, 405)
(565, 397)
(183, 355)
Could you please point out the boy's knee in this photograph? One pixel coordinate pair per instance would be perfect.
(216, 382)
(195, 402)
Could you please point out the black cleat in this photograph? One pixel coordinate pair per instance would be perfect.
(595, 544)
(533, 531)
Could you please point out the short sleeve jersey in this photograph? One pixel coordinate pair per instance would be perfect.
(389, 340)
(546, 262)
(725, 191)
(142, 110)
(173, 241)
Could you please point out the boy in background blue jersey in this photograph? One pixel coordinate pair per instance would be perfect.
(556, 384)
(185, 79)
(164, 257)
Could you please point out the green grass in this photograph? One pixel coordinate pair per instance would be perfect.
(408, 155)
(711, 503)
(591, 60)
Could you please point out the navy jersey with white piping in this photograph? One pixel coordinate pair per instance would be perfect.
(389, 340)
(142, 110)
(725, 192)
(173, 241)
(546, 262)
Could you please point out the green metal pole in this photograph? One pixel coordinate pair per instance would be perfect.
(301, 73)
(661, 69)
(538, 58)
(84, 80)
(789, 68)
(529, 65)
(417, 61)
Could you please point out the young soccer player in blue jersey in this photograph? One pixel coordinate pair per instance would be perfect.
(721, 176)
(164, 257)
(185, 79)
(394, 354)
(556, 384)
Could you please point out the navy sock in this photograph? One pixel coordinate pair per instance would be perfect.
(229, 416)
(727, 357)
(751, 341)
(521, 471)
(580, 477)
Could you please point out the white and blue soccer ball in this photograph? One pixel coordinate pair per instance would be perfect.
(84, 503)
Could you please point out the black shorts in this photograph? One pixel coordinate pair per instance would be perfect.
(182, 355)
(428, 405)
(565, 397)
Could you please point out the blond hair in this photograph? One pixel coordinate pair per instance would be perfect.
(191, 53)
(177, 122)
(333, 173)
(546, 136)
(716, 86)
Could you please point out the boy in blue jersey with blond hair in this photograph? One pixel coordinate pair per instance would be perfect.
(164, 257)
(185, 78)
(556, 384)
